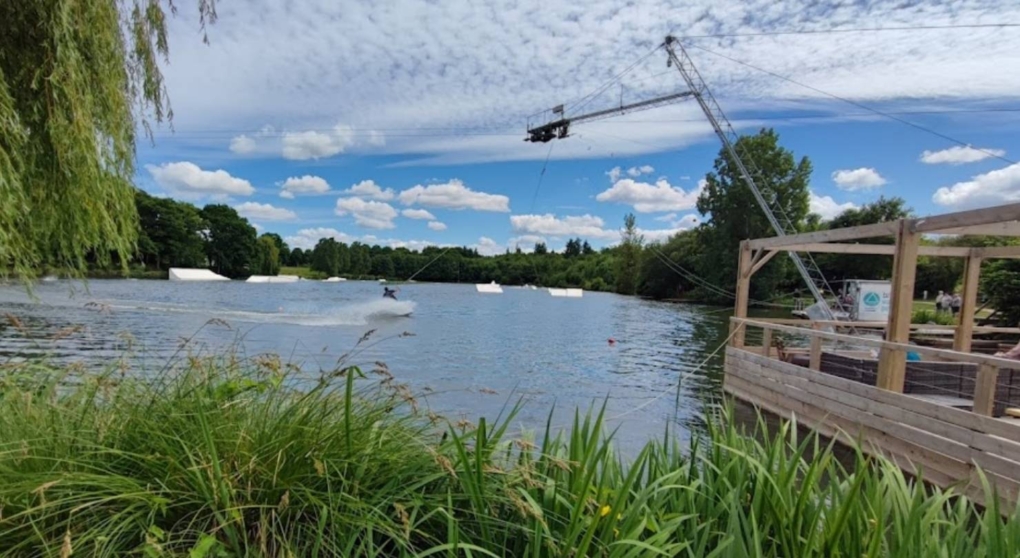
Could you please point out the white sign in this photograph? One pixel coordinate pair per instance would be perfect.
(873, 301)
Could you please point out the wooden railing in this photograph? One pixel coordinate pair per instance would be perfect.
(987, 366)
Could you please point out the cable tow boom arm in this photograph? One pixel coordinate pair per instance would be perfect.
(559, 129)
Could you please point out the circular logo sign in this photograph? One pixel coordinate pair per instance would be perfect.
(872, 299)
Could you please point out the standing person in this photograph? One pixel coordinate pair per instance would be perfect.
(938, 303)
(956, 303)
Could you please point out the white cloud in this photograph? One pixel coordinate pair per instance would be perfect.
(242, 144)
(667, 217)
(614, 174)
(376, 138)
(266, 63)
(454, 195)
(265, 131)
(369, 189)
(188, 178)
(307, 238)
(659, 235)
(649, 198)
(316, 145)
(488, 247)
(368, 214)
(526, 242)
(991, 188)
(306, 184)
(258, 227)
(858, 179)
(959, 155)
(827, 207)
(437, 225)
(584, 226)
(264, 211)
(638, 171)
(418, 214)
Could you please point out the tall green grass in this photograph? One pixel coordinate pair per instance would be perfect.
(222, 457)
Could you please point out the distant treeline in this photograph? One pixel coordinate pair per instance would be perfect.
(697, 264)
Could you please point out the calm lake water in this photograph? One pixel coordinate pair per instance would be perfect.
(521, 344)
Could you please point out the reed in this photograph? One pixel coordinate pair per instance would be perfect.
(222, 457)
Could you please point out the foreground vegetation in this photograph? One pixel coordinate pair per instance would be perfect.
(219, 457)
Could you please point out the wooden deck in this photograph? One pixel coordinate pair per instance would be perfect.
(926, 435)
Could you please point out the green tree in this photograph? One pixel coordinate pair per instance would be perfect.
(586, 249)
(230, 240)
(297, 258)
(73, 76)
(736, 215)
(281, 247)
(326, 257)
(849, 266)
(267, 256)
(573, 248)
(541, 248)
(629, 257)
(666, 268)
(1000, 282)
(170, 232)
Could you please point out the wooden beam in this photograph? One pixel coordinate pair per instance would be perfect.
(998, 215)
(892, 362)
(1009, 228)
(888, 228)
(743, 290)
(763, 260)
(766, 342)
(815, 357)
(880, 249)
(971, 277)
(998, 252)
(984, 389)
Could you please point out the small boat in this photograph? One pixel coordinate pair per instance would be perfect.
(490, 288)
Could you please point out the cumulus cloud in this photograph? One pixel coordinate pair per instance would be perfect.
(638, 171)
(418, 214)
(827, 207)
(369, 189)
(858, 179)
(959, 155)
(312, 144)
(264, 211)
(488, 247)
(368, 214)
(454, 195)
(584, 226)
(188, 178)
(526, 242)
(306, 184)
(651, 198)
(991, 188)
(376, 138)
(307, 238)
(437, 225)
(242, 145)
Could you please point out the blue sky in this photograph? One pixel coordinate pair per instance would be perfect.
(403, 124)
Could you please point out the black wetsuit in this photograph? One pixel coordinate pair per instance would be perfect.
(387, 293)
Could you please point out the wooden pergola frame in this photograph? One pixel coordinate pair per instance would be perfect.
(1001, 220)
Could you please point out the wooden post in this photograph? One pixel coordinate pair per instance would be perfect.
(891, 362)
(965, 329)
(815, 361)
(984, 389)
(743, 289)
(766, 342)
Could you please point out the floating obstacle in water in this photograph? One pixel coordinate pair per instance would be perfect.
(273, 279)
(567, 293)
(190, 274)
(334, 280)
(489, 288)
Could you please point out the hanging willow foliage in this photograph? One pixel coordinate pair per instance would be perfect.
(78, 79)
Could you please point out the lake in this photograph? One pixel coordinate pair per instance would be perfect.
(463, 345)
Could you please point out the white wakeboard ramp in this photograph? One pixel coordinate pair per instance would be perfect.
(190, 274)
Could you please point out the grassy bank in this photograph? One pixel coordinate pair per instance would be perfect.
(221, 457)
